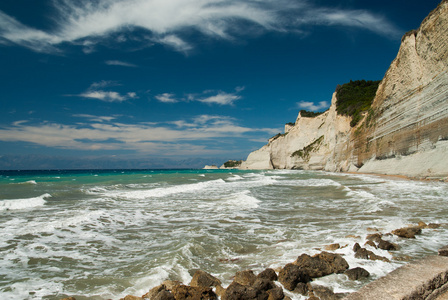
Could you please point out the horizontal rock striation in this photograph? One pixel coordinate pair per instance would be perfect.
(404, 133)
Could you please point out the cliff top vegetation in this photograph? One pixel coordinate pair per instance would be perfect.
(309, 114)
(355, 97)
(232, 163)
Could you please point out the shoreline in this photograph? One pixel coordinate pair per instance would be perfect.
(296, 277)
(401, 177)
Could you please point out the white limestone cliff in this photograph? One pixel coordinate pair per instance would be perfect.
(407, 131)
(315, 137)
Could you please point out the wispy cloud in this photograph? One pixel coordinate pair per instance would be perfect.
(120, 63)
(93, 118)
(174, 42)
(167, 98)
(208, 97)
(88, 23)
(106, 133)
(96, 91)
(221, 98)
(108, 96)
(312, 106)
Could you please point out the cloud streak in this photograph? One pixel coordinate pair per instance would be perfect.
(88, 23)
(119, 63)
(96, 91)
(208, 97)
(105, 133)
(312, 106)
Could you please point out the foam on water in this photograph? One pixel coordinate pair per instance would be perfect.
(104, 238)
(163, 192)
(15, 204)
(242, 200)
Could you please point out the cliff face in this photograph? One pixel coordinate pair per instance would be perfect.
(405, 132)
(312, 143)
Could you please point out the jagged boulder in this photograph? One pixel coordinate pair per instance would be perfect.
(163, 295)
(371, 244)
(321, 264)
(357, 273)
(332, 247)
(443, 251)
(407, 232)
(170, 284)
(363, 253)
(162, 291)
(374, 237)
(386, 245)
(268, 274)
(237, 291)
(324, 293)
(262, 284)
(290, 275)
(130, 297)
(276, 293)
(204, 279)
(247, 286)
(185, 292)
(246, 277)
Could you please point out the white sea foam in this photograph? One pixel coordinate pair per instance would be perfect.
(242, 200)
(166, 191)
(28, 182)
(158, 229)
(23, 203)
(234, 178)
(309, 182)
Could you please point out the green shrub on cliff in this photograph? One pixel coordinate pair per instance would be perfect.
(232, 163)
(309, 114)
(306, 151)
(355, 97)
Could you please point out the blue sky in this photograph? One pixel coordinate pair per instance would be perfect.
(148, 79)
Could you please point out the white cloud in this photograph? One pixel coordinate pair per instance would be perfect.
(103, 84)
(167, 98)
(174, 42)
(311, 106)
(208, 97)
(105, 133)
(93, 118)
(221, 98)
(119, 63)
(108, 96)
(96, 91)
(88, 23)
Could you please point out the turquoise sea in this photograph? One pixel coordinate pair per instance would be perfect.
(104, 234)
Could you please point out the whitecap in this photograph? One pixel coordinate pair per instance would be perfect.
(234, 178)
(28, 182)
(23, 203)
(242, 200)
(166, 191)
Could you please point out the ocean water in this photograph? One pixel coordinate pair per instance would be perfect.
(107, 234)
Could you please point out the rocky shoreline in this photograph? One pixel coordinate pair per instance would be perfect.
(295, 277)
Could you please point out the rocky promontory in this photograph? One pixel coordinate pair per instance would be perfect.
(403, 132)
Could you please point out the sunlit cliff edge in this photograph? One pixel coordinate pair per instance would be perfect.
(404, 133)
